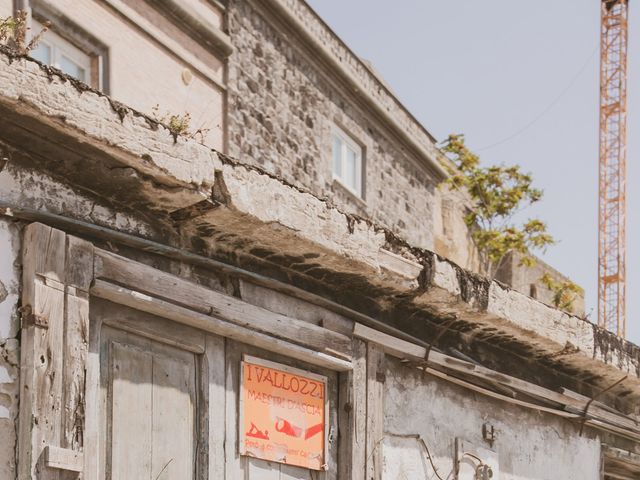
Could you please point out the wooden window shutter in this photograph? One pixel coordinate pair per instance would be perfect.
(57, 272)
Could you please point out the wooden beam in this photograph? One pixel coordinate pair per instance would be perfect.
(375, 411)
(79, 275)
(602, 417)
(215, 382)
(352, 417)
(63, 459)
(157, 283)
(630, 459)
(388, 343)
(162, 308)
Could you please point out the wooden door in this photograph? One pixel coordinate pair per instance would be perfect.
(153, 401)
(151, 408)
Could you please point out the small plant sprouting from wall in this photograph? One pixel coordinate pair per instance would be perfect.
(179, 125)
(14, 33)
(565, 293)
(497, 194)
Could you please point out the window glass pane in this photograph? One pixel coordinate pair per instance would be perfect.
(350, 169)
(337, 156)
(71, 68)
(42, 53)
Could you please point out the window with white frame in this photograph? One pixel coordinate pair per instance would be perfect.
(54, 50)
(347, 161)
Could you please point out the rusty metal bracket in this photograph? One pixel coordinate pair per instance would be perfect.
(31, 319)
(443, 329)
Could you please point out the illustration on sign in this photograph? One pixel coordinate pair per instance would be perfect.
(282, 416)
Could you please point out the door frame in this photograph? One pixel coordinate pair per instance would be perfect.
(58, 373)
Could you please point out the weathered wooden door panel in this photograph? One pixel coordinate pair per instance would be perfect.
(131, 393)
(150, 409)
(257, 469)
(156, 398)
(260, 470)
(288, 472)
(174, 402)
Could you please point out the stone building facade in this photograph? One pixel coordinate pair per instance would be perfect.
(284, 105)
(130, 252)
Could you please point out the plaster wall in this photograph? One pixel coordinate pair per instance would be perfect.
(282, 108)
(6, 8)
(529, 445)
(30, 189)
(9, 346)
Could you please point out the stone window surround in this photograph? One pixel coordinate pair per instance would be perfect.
(79, 37)
(58, 47)
(348, 141)
(183, 15)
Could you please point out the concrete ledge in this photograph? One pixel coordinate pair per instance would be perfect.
(45, 111)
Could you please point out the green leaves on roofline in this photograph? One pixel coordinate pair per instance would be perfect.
(497, 193)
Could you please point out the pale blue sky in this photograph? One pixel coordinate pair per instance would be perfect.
(490, 68)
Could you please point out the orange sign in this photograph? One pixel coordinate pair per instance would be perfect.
(283, 414)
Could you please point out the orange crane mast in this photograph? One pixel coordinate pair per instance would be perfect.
(612, 168)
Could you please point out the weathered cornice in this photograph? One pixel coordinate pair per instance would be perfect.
(191, 20)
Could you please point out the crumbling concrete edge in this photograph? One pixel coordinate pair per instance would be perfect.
(136, 139)
(439, 285)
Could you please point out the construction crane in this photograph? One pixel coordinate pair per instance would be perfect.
(612, 174)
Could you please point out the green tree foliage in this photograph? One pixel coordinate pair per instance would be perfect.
(497, 194)
(564, 292)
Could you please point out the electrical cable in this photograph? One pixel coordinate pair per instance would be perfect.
(421, 441)
(547, 109)
(424, 445)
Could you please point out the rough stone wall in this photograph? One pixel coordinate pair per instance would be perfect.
(282, 104)
(9, 344)
(281, 110)
(529, 445)
(527, 280)
(452, 237)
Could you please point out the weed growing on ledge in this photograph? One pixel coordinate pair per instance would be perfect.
(14, 32)
(179, 125)
(497, 193)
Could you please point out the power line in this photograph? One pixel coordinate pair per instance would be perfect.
(547, 109)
